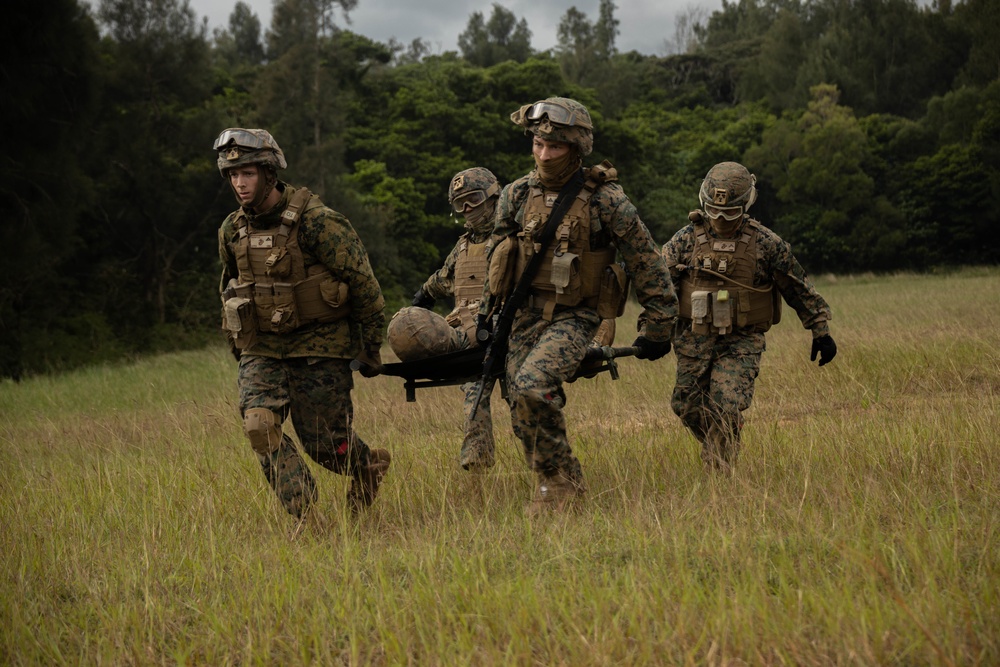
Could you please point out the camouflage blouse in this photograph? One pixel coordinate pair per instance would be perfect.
(325, 237)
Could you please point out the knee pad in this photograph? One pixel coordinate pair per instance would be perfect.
(263, 427)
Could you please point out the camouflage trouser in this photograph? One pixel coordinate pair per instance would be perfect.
(542, 356)
(710, 396)
(317, 394)
(478, 448)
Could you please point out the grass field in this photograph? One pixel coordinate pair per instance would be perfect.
(861, 526)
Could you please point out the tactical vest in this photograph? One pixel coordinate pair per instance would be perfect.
(717, 291)
(284, 293)
(571, 274)
(470, 274)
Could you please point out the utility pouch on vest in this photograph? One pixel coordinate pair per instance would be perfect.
(240, 321)
(700, 322)
(284, 317)
(565, 267)
(334, 293)
(613, 292)
(502, 265)
(722, 312)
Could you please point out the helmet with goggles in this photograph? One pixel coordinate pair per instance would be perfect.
(471, 188)
(729, 189)
(238, 147)
(558, 119)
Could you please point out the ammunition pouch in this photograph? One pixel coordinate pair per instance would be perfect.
(239, 317)
(716, 310)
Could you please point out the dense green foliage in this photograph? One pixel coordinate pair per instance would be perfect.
(873, 126)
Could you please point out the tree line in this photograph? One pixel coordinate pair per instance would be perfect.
(873, 127)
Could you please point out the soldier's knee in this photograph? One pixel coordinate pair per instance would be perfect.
(538, 399)
(263, 428)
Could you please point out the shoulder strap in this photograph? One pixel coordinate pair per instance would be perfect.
(559, 208)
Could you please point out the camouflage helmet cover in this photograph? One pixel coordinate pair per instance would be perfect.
(472, 180)
(237, 147)
(558, 119)
(728, 185)
(417, 333)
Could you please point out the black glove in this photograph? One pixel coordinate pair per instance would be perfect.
(369, 362)
(650, 349)
(232, 348)
(484, 328)
(422, 299)
(825, 348)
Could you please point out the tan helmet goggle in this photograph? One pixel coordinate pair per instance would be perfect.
(241, 138)
(556, 113)
(729, 213)
(473, 198)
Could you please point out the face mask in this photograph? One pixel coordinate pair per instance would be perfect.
(725, 228)
(556, 173)
(479, 220)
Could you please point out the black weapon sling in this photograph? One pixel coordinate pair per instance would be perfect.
(498, 345)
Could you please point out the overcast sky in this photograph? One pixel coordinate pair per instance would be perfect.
(645, 25)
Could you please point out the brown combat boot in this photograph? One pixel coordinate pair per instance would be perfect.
(477, 456)
(554, 494)
(364, 486)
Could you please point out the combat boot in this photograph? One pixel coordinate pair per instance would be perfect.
(367, 478)
(477, 456)
(554, 494)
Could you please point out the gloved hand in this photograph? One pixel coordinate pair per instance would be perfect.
(232, 348)
(825, 348)
(369, 362)
(423, 300)
(484, 328)
(651, 349)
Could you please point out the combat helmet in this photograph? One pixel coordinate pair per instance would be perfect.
(471, 188)
(238, 147)
(558, 119)
(728, 190)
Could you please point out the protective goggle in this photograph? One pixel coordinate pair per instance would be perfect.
(730, 213)
(472, 199)
(241, 138)
(556, 114)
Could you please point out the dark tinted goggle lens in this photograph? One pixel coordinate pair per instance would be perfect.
(473, 199)
(241, 138)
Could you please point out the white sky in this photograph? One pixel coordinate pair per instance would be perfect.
(644, 25)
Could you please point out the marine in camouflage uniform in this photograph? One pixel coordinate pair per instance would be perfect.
(299, 302)
(731, 273)
(552, 330)
(472, 193)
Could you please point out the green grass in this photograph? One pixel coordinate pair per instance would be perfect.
(860, 528)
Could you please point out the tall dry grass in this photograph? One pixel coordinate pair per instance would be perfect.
(861, 526)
